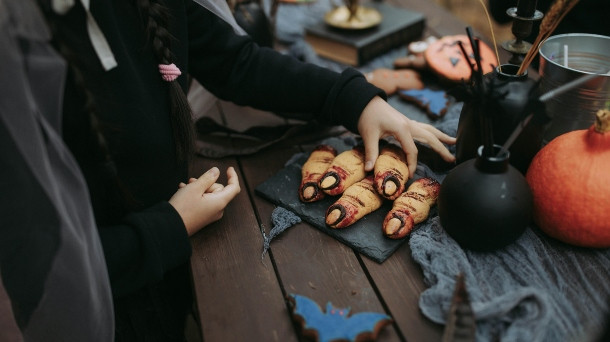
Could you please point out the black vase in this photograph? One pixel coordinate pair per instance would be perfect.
(508, 96)
(485, 203)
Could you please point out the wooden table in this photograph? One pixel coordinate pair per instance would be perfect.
(241, 295)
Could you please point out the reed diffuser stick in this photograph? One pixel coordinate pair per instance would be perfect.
(480, 91)
(461, 45)
(553, 17)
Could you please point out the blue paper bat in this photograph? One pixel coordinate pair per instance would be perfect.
(334, 324)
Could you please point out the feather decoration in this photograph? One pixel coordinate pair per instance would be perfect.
(460, 326)
(553, 17)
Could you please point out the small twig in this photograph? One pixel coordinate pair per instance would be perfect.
(556, 13)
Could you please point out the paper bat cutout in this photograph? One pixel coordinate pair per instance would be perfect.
(335, 324)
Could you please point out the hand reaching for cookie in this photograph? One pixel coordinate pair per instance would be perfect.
(203, 201)
(380, 120)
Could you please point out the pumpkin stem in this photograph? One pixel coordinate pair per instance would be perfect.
(602, 121)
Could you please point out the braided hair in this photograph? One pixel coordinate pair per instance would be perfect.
(102, 156)
(181, 115)
(156, 21)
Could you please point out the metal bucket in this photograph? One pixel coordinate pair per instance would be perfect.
(586, 54)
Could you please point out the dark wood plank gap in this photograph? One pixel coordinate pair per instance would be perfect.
(230, 283)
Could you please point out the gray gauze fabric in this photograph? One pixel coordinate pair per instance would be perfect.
(536, 289)
(51, 258)
(282, 219)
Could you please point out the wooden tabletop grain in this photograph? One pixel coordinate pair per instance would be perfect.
(241, 295)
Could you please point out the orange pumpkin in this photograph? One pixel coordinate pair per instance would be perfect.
(571, 186)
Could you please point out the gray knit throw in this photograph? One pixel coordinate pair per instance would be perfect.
(536, 289)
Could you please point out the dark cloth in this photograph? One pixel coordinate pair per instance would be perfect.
(146, 240)
(51, 258)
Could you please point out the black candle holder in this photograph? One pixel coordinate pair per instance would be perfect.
(523, 16)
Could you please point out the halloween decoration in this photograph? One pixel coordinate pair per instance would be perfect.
(391, 171)
(553, 17)
(335, 324)
(506, 103)
(446, 59)
(415, 58)
(434, 102)
(346, 169)
(411, 208)
(460, 326)
(357, 201)
(485, 203)
(524, 14)
(570, 185)
(318, 162)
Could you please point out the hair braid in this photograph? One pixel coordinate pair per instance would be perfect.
(181, 116)
(103, 155)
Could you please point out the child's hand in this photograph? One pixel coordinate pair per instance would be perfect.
(202, 201)
(379, 120)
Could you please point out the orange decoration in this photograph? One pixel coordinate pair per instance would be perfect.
(571, 188)
(445, 58)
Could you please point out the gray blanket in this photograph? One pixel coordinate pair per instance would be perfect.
(536, 289)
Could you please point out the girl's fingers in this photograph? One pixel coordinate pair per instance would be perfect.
(215, 188)
(208, 178)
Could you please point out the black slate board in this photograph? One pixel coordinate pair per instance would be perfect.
(365, 236)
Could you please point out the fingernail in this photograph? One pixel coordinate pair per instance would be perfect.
(369, 165)
(214, 171)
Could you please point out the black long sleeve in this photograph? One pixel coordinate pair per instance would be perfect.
(146, 238)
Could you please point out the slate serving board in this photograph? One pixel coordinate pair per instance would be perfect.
(365, 236)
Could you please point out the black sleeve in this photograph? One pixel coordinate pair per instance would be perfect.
(235, 68)
(146, 245)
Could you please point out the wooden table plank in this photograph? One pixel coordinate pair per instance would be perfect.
(233, 283)
(399, 281)
(308, 261)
